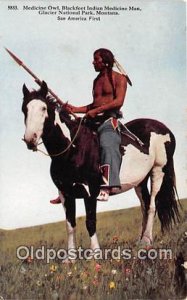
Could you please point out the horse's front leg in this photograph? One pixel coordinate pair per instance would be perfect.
(91, 206)
(70, 211)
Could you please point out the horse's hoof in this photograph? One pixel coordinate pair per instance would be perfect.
(94, 254)
(138, 243)
(97, 253)
(146, 241)
(68, 261)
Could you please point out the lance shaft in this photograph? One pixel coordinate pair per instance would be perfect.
(37, 80)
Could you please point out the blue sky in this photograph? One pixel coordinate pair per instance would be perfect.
(149, 44)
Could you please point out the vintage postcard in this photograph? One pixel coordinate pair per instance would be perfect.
(120, 62)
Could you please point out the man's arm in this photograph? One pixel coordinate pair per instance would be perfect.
(80, 109)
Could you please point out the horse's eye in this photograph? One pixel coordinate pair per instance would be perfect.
(44, 108)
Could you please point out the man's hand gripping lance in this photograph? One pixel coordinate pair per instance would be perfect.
(37, 80)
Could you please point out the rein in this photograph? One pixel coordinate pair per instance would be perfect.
(67, 148)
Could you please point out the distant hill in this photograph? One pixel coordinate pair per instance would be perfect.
(123, 222)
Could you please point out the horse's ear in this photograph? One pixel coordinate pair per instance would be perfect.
(44, 89)
(26, 92)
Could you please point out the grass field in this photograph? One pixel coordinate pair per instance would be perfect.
(114, 278)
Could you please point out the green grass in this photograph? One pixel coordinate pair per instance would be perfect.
(107, 279)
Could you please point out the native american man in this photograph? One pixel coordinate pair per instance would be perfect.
(109, 90)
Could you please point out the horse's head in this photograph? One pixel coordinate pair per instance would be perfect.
(37, 111)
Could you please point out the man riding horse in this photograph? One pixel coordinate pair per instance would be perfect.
(109, 90)
(75, 161)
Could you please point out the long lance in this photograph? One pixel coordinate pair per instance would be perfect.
(37, 80)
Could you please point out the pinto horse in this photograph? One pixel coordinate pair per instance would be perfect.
(75, 164)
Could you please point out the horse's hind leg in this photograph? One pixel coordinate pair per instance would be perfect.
(156, 181)
(90, 205)
(144, 197)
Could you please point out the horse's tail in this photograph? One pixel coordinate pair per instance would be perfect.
(167, 200)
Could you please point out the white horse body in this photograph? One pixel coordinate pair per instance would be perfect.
(136, 164)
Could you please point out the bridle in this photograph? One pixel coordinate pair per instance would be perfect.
(69, 145)
(67, 148)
